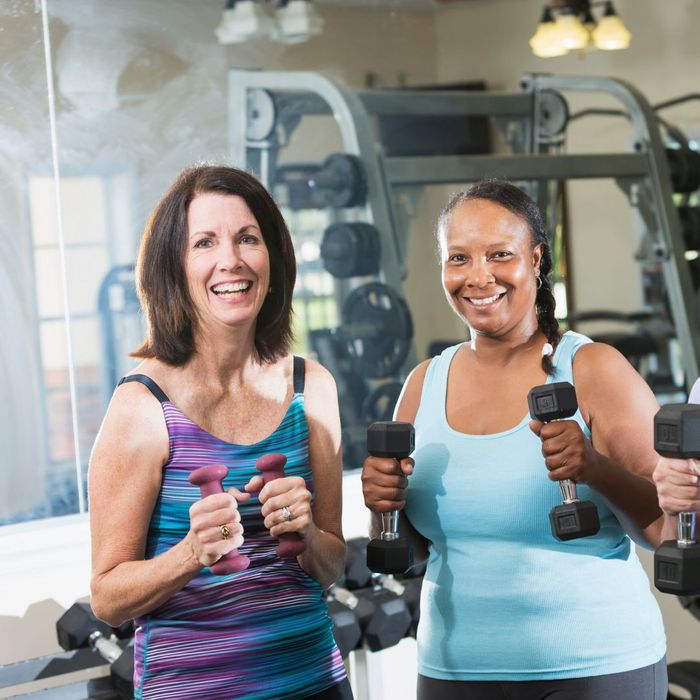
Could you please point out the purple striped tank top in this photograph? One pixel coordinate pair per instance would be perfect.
(258, 634)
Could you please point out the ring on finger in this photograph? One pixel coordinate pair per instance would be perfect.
(225, 531)
(287, 514)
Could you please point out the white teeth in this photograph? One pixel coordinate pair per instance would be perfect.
(228, 288)
(485, 300)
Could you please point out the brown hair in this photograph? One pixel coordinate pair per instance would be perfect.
(523, 206)
(161, 283)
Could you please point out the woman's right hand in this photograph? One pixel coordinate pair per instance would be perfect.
(207, 518)
(385, 482)
(677, 485)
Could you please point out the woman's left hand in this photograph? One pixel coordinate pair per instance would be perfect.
(567, 452)
(279, 497)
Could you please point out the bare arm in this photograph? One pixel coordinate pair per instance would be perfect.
(619, 408)
(319, 523)
(123, 484)
(384, 485)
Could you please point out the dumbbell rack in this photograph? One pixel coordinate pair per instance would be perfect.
(529, 118)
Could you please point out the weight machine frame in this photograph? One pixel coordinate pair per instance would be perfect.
(642, 173)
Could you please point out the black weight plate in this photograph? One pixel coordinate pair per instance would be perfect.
(342, 181)
(377, 330)
(380, 402)
(351, 250)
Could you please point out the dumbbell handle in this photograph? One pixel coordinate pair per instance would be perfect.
(346, 597)
(568, 491)
(390, 525)
(272, 467)
(209, 479)
(686, 529)
(107, 647)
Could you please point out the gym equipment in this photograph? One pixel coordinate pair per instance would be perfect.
(532, 122)
(377, 330)
(209, 479)
(684, 167)
(63, 676)
(341, 181)
(383, 616)
(573, 518)
(351, 250)
(79, 628)
(690, 225)
(380, 402)
(407, 586)
(272, 467)
(121, 325)
(390, 554)
(356, 574)
(684, 675)
(346, 625)
(677, 563)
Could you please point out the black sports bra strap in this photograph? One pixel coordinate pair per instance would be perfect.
(148, 382)
(299, 374)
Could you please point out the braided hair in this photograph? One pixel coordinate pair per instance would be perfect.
(519, 203)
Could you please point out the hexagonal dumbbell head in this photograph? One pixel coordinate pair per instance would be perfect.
(552, 401)
(677, 569)
(570, 521)
(389, 621)
(389, 556)
(74, 627)
(677, 430)
(390, 439)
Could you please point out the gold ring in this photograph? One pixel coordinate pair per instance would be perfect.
(225, 531)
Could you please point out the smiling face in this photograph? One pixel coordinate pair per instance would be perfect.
(490, 268)
(226, 261)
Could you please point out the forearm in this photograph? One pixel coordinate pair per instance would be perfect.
(324, 557)
(632, 498)
(134, 588)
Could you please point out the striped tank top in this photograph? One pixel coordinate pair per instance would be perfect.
(258, 634)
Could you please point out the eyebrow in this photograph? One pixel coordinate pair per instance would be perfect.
(208, 232)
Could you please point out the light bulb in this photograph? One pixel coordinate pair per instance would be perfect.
(572, 34)
(545, 41)
(611, 34)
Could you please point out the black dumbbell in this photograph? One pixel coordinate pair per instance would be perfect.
(677, 562)
(383, 616)
(79, 628)
(356, 574)
(573, 518)
(390, 554)
(346, 626)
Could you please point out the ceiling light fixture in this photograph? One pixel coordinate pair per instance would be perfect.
(575, 29)
(243, 20)
(295, 21)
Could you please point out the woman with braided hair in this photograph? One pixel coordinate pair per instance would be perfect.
(507, 610)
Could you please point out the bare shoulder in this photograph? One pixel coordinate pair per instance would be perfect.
(318, 378)
(134, 423)
(606, 382)
(409, 400)
(596, 361)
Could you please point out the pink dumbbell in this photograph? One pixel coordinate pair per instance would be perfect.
(272, 467)
(209, 480)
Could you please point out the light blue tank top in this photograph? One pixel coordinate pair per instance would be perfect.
(501, 598)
